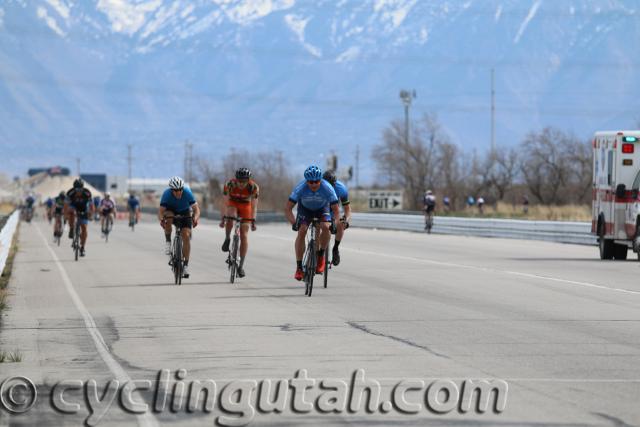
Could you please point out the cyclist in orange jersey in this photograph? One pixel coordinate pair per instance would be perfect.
(240, 200)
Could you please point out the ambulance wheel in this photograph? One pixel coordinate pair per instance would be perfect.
(620, 252)
(606, 247)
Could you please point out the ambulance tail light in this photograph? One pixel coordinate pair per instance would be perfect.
(627, 148)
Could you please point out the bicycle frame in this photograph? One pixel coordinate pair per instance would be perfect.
(177, 256)
(310, 260)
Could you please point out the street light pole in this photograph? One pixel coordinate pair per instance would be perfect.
(406, 98)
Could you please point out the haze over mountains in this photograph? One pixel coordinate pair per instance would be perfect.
(84, 79)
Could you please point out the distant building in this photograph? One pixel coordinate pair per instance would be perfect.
(98, 180)
(120, 185)
(52, 171)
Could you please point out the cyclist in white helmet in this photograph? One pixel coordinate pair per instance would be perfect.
(178, 200)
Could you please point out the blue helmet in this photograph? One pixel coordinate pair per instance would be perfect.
(313, 173)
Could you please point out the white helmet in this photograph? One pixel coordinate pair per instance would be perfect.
(429, 192)
(176, 183)
(107, 195)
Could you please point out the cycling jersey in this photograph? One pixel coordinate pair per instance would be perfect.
(133, 203)
(30, 201)
(314, 200)
(107, 205)
(79, 199)
(342, 193)
(49, 202)
(242, 194)
(58, 204)
(179, 206)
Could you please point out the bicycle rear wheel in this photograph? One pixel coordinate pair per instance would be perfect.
(234, 259)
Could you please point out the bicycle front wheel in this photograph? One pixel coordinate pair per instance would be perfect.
(234, 259)
(177, 260)
(310, 268)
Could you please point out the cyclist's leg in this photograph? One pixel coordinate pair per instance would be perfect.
(300, 241)
(168, 224)
(71, 219)
(83, 229)
(102, 220)
(244, 212)
(228, 225)
(244, 239)
(186, 238)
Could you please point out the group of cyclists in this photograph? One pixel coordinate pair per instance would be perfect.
(77, 204)
(318, 196)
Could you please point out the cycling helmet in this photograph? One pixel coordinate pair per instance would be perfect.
(313, 173)
(330, 176)
(176, 183)
(243, 173)
(107, 195)
(62, 194)
(78, 183)
(429, 192)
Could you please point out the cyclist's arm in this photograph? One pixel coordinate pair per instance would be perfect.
(288, 212)
(161, 213)
(347, 212)
(254, 207)
(336, 210)
(196, 213)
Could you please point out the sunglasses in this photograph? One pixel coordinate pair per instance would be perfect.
(314, 182)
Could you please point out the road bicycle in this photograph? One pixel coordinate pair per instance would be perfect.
(75, 244)
(428, 225)
(232, 257)
(58, 229)
(132, 219)
(108, 226)
(176, 259)
(310, 259)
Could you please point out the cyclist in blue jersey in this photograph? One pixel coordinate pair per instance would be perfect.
(343, 194)
(133, 205)
(315, 198)
(96, 206)
(178, 200)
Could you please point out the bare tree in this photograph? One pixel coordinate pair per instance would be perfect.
(409, 164)
(270, 171)
(555, 166)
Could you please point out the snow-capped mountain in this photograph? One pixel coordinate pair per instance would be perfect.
(86, 78)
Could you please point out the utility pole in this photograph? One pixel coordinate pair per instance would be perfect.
(357, 166)
(188, 161)
(129, 163)
(493, 113)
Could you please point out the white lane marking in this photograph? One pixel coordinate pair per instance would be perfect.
(144, 420)
(477, 268)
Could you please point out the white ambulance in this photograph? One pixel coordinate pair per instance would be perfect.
(616, 184)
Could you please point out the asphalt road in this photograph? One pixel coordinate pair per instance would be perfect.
(559, 326)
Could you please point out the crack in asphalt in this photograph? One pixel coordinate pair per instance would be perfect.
(363, 328)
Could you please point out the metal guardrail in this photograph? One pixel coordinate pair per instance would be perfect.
(554, 231)
(6, 237)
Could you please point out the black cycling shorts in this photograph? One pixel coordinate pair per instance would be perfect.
(429, 209)
(185, 221)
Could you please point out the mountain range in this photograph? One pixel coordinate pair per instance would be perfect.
(83, 79)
